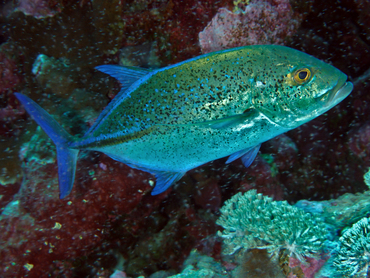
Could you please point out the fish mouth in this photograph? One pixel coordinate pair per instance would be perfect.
(338, 93)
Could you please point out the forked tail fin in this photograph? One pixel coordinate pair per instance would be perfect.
(67, 157)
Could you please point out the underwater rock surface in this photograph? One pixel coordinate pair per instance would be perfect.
(262, 22)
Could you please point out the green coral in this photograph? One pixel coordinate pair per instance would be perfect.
(201, 266)
(39, 149)
(256, 221)
(367, 178)
(190, 272)
(240, 5)
(345, 210)
(353, 257)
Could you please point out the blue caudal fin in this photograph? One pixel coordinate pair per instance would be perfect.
(67, 157)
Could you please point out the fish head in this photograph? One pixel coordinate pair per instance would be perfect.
(298, 87)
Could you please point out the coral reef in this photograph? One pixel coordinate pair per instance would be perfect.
(201, 266)
(255, 221)
(262, 22)
(308, 270)
(65, 35)
(341, 212)
(48, 231)
(240, 4)
(11, 117)
(367, 178)
(118, 274)
(359, 142)
(255, 263)
(39, 8)
(353, 256)
(262, 175)
(172, 32)
(110, 214)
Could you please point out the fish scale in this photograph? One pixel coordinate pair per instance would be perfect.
(188, 95)
(226, 103)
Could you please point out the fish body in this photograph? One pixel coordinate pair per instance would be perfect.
(226, 103)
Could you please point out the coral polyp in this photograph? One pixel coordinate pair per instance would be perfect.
(353, 257)
(252, 220)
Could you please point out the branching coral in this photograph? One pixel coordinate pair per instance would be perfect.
(367, 178)
(256, 221)
(353, 257)
(201, 266)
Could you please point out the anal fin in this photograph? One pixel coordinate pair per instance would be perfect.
(164, 179)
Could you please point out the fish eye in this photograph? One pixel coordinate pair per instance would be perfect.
(302, 75)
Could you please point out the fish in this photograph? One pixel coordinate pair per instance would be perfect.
(170, 120)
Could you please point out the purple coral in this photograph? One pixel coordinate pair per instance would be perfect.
(359, 142)
(38, 8)
(262, 22)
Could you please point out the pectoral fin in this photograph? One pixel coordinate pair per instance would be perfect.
(231, 121)
(247, 155)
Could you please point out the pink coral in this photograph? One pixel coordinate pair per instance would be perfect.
(359, 142)
(310, 269)
(38, 8)
(262, 22)
(9, 77)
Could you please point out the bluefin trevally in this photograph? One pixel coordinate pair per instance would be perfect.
(226, 103)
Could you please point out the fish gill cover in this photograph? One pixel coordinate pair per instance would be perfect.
(110, 222)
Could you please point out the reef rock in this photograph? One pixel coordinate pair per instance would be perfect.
(262, 22)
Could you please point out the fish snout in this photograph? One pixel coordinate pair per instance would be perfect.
(342, 92)
(339, 92)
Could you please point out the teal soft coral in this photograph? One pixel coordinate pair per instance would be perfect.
(353, 257)
(252, 220)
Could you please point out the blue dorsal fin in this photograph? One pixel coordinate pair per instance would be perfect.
(247, 155)
(126, 76)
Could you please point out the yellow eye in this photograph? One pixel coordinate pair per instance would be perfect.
(302, 75)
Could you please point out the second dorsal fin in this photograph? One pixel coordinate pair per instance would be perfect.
(126, 77)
